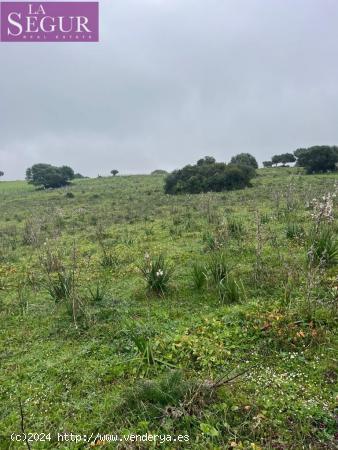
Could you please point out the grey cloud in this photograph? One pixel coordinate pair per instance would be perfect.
(171, 81)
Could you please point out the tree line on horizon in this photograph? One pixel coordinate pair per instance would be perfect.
(206, 174)
(316, 159)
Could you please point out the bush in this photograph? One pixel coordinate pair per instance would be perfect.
(207, 177)
(267, 163)
(48, 176)
(245, 159)
(284, 158)
(317, 159)
(159, 172)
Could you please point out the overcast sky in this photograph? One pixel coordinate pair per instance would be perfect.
(170, 82)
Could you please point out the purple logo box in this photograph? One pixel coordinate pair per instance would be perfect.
(49, 21)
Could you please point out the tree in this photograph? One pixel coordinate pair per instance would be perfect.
(2, 173)
(159, 172)
(299, 152)
(276, 159)
(206, 160)
(287, 158)
(267, 163)
(244, 159)
(320, 158)
(48, 176)
(206, 177)
(114, 172)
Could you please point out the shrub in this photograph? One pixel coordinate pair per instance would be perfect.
(207, 177)
(245, 159)
(157, 274)
(48, 176)
(319, 158)
(267, 163)
(284, 158)
(159, 172)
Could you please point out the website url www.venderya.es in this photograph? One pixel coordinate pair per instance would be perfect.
(161, 438)
(98, 438)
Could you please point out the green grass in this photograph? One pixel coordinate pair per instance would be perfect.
(113, 356)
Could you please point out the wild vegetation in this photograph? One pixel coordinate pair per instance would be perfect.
(48, 176)
(316, 159)
(126, 310)
(207, 175)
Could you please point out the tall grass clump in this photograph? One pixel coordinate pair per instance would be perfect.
(230, 290)
(323, 248)
(151, 397)
(294, 231)
(323, 243)
(144, 347)
(210, 242)
(157, 274)
(98, 293)
(199, 275)
(60, 286)
(236, 228)
(61, 282)
(218, 267)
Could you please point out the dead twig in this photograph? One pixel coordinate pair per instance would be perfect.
(22, 424)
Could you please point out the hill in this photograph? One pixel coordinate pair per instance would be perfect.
(230, 342)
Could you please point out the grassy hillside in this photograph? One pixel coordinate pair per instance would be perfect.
(238, 351)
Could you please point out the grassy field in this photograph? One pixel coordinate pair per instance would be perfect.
(230, 341)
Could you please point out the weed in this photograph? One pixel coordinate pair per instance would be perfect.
(98, 293)
(153, 396)
(157, 274)
(144, 347)
(210, 241)
(31, 232)
(294, 231)
(198, 275)
(60, 286)
(323, 248)
(230, 290)
(108, 259)
(218, 267)
(235, 228)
